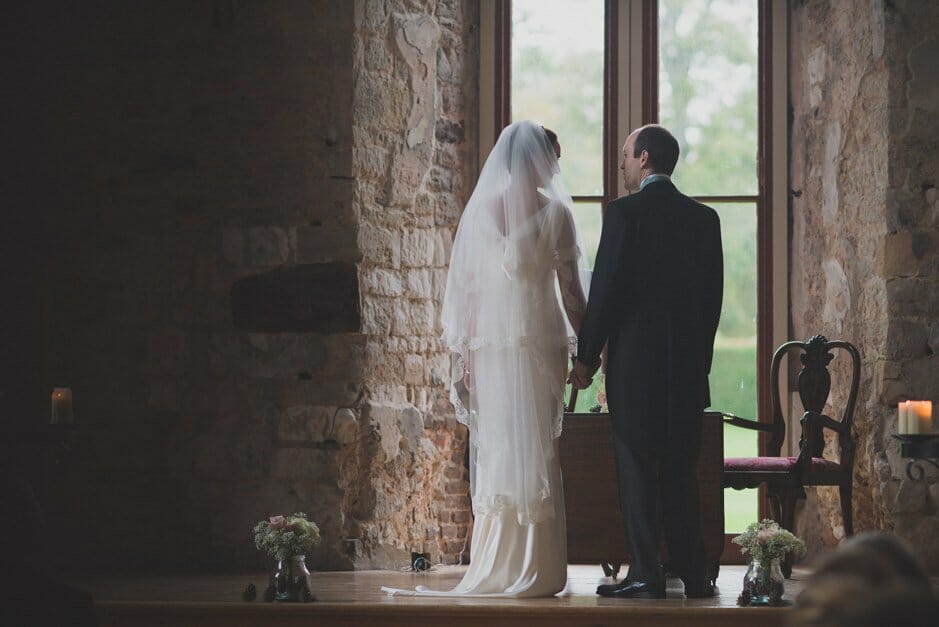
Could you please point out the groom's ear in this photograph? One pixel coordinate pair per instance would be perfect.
(643, 158)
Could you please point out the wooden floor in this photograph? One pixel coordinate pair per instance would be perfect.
(355, 598)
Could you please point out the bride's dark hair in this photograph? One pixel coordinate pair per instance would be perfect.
(552, 136)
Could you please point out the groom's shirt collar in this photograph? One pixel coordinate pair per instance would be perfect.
(653, 178)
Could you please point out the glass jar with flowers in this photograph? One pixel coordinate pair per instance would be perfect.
(287, 539)
(767, 543)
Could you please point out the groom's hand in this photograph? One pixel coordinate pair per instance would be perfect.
(581, 375)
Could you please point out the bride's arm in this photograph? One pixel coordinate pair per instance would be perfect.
(572, 292)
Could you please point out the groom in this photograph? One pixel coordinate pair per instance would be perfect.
(655, 299)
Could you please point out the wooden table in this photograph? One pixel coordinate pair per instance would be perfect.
(595, 531)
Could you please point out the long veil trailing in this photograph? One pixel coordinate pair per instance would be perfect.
(502, 320)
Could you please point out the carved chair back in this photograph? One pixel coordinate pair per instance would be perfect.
(814, 387)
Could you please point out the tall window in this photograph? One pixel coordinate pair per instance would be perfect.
(592, 70)
(557, 79)
(708, 96)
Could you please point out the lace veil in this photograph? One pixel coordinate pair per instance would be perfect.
(502, 320)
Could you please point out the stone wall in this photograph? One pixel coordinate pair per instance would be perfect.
(865, 239)
(225, 185)
(414, 165)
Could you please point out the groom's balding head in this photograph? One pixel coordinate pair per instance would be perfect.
(660, 145)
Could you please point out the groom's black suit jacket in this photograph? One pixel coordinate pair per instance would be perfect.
(655, 297)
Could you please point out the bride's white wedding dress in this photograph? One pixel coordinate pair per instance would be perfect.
(513, 268)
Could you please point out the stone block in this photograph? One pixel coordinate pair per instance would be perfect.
(911, 295)
(345, 429)
(933, 340)
(267, 246)
(377, 56)
(373, 14)
(933, 496)
(440, 365)
(921, 373)
(923, 534)
(449, 132)
(923, 88)
(304, 423)
(906, 339)
(259, 341)
(440, 284)
(163, 394)
(413, 369)
(424, 204)
(899, 259)
(382, 282)
(372, 162)
(326, 243)
(167, 352)
(449, 209)
(380, 245)
(233, 245)
(892, 391)
(444, 69)
(378, 316)
(417, 248)
(910, 498)
(398, 426)
(293, 356)
(443, 243)
(414, 317)
(454, 547)
(420, 284)
(305, 463)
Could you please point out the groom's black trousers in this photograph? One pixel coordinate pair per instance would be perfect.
(658, 490)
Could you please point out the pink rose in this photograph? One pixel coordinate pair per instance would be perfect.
(277, 522)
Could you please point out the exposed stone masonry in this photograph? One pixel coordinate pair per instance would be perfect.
(193, 147)
(865, 239)
(414, 83)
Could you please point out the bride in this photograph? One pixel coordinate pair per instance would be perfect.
(514, 266)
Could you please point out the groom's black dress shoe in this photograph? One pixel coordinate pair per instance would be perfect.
(632, 590)
(699, 590)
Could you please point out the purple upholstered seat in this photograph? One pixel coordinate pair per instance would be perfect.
(821, 469)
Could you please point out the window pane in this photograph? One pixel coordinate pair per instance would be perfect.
(708, 92)
(588, 219)
(733, 371)
(557, 80)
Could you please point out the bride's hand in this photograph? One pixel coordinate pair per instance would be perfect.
(581, 376)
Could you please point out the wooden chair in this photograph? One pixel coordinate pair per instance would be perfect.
(785, 477)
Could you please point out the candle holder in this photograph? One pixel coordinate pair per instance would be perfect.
(918, 447)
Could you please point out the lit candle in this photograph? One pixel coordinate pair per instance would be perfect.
(921, 416)
(903, 424)
(62, 406)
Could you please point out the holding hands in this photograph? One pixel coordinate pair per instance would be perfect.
(581, 375)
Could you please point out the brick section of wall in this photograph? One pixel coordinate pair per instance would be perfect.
(865, 238)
